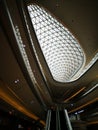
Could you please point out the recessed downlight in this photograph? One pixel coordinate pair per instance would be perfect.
(16, 81)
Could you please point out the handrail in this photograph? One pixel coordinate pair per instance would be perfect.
(48, 120)
(67, 120)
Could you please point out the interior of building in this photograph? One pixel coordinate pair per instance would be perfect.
(48, 65)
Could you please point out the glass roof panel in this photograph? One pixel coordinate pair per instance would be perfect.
(63, 54)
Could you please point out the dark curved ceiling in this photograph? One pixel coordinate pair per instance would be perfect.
(36, 96)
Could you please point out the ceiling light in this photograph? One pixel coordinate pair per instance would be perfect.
(24, 55)
(71, 104)
(10, 112)
(90, 90)
(76, 113)
(16, 81)
(80, 111)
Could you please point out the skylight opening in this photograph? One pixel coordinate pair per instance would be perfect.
(62, 52)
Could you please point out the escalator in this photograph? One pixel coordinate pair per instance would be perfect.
(63, 123)
(58, 120)
(53, 121)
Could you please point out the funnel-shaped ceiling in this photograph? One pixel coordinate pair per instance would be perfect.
(62, 52)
